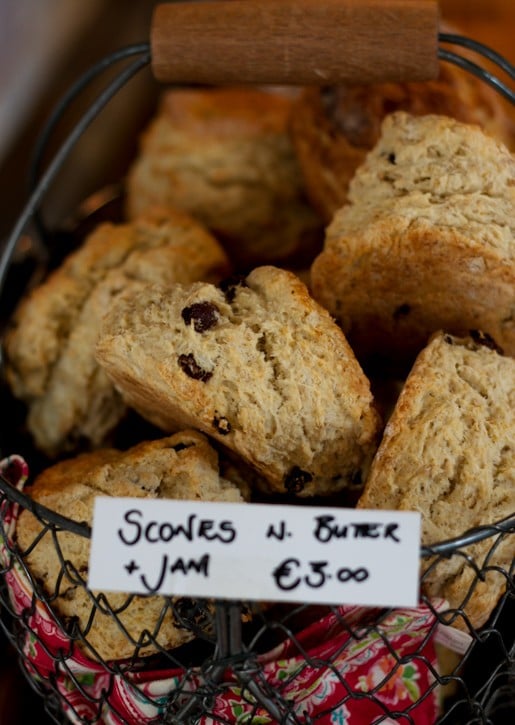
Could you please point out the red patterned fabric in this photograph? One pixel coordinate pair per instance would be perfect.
(375, 661)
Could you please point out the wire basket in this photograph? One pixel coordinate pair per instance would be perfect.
(256, 663)
(244, 662)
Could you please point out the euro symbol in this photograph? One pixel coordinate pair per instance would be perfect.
(283, 572)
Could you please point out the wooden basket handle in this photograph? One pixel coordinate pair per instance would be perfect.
(295, 42)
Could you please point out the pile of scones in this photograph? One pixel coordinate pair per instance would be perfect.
(311, 296)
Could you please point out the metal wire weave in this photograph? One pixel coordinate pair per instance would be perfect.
(224, 642)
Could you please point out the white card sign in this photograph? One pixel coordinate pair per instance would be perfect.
(255, 552)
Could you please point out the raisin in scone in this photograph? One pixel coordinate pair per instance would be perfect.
(225, 156)
(448, 452)
(427, 241)
(257, 364)
(333, 128)
(49, 348)
(182, 466)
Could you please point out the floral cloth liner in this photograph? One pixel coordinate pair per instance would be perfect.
(91, 693)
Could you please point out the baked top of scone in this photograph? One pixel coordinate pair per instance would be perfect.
(335, 127)
(426, 242)
(49, 346)
(435, 155)
(225, 156)
(448, 452)
(257, 364)
(182, 466)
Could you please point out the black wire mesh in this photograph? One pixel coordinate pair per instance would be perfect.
(257, 662)
(250, 662)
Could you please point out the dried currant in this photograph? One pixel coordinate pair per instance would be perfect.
(204, 316)
(401, 311)
(483, 338)
(191, 367)
(355, 478)
(182, 447)
(230, 285)
(296, 479)
(222, 425)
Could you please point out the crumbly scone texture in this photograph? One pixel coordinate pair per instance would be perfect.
(333, 128)
(50, 345)
(426, 242)
(225, 155)
(448, 452)
(255, 363)
(182, 466)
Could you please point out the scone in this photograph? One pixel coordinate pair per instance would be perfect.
(225, 156)
(427, 241)
(257, 365)
(49, 348)
(448, 452)
(334, 128)
(182, 466)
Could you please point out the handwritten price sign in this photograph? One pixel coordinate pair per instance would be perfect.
(255, 552)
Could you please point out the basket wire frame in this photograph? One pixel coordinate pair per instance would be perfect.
(223, 642)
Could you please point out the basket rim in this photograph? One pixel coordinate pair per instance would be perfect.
(442, 548)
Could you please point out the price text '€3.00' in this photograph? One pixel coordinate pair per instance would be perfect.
(255, 552)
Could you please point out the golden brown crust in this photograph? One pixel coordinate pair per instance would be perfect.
(49, 347)
(334, 128)
(225, 156)
(182, 466)
(223, 113)
(271, 376)
(427, 241)
(447, 452)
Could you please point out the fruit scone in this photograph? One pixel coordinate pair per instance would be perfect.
(427, 241)
(181, 466)
(255, 363)
(448, 451)
(225, 156)
(334, 127)
(49, 347)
